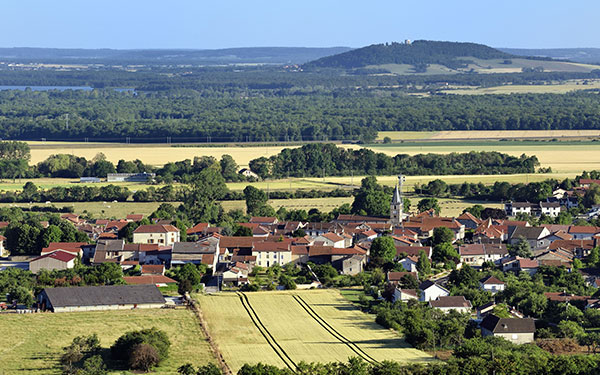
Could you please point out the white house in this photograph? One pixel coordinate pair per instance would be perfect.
(515, 330)
(431, 291)
(551, 209)
(405, 294)
(270, 253)
(447, 303)
(492, 284)
(331, 239)
(409, 263)
(2, 250)
(164, 235)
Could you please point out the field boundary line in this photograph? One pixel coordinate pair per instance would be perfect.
(211, 342)
(352, 345)
(266, 334)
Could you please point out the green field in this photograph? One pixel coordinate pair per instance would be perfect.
(319, 326)
(32, 343)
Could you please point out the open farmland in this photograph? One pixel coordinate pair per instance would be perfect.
(32, 343)
(562, 157)
(153, 154)
(488, 134)
(285, 328)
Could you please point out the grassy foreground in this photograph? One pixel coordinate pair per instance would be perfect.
(298, 329)
(32, 343)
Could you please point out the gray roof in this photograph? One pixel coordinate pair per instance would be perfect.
(110, 245)
(450, 301)
(508, 325)
(396, 199)
(529, 233)
(204, 247)
(104, 295)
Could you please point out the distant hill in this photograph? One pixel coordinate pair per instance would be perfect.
(415, 53)
(250, 55)
(434, 57)
(582, 55)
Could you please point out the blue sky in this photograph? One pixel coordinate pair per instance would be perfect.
(226, 23)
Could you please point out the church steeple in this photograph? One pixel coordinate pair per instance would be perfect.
(397, 205)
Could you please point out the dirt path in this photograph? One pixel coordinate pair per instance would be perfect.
(225, 369)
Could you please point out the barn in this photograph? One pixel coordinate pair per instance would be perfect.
(89, 298)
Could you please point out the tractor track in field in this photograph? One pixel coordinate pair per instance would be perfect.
(332, 331)
(285, 358)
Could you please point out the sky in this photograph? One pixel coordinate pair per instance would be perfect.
(202, 24)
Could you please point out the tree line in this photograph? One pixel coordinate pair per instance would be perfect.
(295, 114)
(322, 159)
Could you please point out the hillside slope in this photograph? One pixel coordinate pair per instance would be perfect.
(434, 57)
(418, 52)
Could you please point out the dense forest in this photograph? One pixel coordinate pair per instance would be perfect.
(415, 53)
(322, 159)
(106, 115)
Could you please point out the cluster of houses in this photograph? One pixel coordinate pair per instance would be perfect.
(344, 243)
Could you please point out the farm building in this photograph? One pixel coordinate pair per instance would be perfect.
(88, 298)
(129, 177)
(57, 260)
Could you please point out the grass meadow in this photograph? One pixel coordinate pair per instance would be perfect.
(32, 343)
(321, 326)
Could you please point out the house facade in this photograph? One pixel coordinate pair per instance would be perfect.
(162, 234)
(515, 330)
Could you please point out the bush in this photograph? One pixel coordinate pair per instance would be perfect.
(143, 357)
(125, 346)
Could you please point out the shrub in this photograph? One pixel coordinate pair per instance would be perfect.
(124, 347)
(143, 357)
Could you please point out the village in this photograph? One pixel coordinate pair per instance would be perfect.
(428, 251)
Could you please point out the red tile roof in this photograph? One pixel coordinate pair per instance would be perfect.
(59, 255)
(562, 297)
(271, 246)
(236, 242)
(491, 280)
(152, 269)
(66, 246)
(330, 250)
(263, 219)
(583, 229)
(148, 280)
(468, 216)
(135, 217)
(450, 301)
(528, 263)
(156, 228)
(198, 228)
(397, 276)
(332, 237)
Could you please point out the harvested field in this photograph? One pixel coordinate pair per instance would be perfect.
(285, 328)
(153, 154)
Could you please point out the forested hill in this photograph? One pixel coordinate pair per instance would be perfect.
(415, 53)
